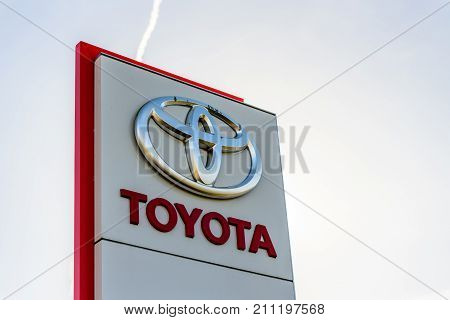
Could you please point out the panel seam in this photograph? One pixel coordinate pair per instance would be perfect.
(192, 259)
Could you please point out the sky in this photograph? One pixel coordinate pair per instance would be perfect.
(369, 220)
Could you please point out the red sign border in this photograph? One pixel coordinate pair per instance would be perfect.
(85, 56)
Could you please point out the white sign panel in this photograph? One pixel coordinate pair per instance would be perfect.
(182, 174)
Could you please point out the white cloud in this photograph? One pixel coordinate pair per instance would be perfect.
(149, 30)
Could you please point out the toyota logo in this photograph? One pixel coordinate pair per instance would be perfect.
(204, 175)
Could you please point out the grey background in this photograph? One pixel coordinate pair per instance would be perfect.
(377, 150)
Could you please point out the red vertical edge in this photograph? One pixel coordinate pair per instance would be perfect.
(84, 174)
(85, 55)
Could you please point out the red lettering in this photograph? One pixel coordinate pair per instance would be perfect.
(188, 219)
(171, 212)
(206, 228)
(135, 198)
(240, 226)
(266, 243)
(260, 239)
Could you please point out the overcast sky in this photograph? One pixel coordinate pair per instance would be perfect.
(377, 150)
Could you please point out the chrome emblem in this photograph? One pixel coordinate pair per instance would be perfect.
(204, 176)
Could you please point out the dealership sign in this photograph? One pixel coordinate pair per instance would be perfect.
(170, 199)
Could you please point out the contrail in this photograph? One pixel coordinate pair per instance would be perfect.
(148, 32)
